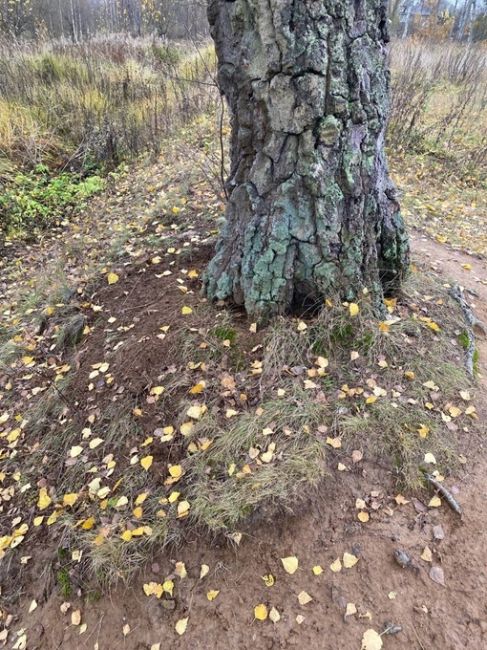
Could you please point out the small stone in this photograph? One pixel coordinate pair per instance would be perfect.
(418, 505)
(438, 532)
(436, 574)
(168, 604)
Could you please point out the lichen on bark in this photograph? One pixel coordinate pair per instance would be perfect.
(312, 210)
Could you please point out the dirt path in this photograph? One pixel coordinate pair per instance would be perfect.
(449, 617)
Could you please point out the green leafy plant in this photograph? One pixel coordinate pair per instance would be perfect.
(36, 200)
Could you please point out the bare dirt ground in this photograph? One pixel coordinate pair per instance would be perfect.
(431, 616)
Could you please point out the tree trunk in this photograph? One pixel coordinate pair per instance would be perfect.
(312, 211)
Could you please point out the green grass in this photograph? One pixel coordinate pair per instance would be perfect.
(64, 583)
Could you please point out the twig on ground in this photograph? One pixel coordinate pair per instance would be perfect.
(418, 639)
(456, 292)
(446, 494)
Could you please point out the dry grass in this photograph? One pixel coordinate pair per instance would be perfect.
(223, 489)
(98, 103)
(439, 99)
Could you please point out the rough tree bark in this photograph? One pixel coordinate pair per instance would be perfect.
(312, 211)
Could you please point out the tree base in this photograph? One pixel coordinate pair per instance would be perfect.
(312, 211)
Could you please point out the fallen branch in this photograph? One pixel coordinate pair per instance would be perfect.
(472, 322)
(446, 494)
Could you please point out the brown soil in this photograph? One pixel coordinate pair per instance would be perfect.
(432, 616)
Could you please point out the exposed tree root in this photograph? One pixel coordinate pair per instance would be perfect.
(472, 322)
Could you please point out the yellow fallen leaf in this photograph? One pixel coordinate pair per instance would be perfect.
(260, 612)
(274, 615)
(429, 458)
(363, 516)
(75, 451)
(70, 499)
(121, 502)
(186, 311)
(269, 580)
(146, 462)
(76, 617)
(290, 564)
(44, 499)
(472, 411)
(427, 555)
(433, 326)
(181, 626)
(435, 502)
(88, 523)
(371, 640)
(157, 390)
(141, 498)
(336, 443)
(153, 589)
(454, 411)
(423, 431)
(336, 566)
(168, 587)
(349, 560)
(186, 428)
(112, 278)
(174, 496)
(354, 309)
(175, 471)
(198, 388)
(400, 500)
(212, 594)
(180, 570)
(267, 456)
(304, 598)
(196, 411)
(183, 508)
(351, 609)
(204, 570)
